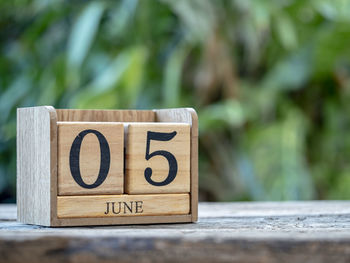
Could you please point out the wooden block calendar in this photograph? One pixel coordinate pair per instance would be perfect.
(106, 167)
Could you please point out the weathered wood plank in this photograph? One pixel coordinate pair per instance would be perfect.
(317, 231)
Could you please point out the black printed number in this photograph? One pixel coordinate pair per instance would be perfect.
(160, 136)
(74, 159)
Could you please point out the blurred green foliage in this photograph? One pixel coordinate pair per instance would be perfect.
(270, 80)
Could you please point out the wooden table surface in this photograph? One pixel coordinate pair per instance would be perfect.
(316, 231)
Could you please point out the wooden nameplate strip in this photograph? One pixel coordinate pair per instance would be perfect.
(122, 205)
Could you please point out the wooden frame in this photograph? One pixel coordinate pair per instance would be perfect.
(37, 162)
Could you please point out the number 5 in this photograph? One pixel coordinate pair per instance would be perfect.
(160, 136)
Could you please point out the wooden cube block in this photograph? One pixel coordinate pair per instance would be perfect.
(90, 158)
(158, 158)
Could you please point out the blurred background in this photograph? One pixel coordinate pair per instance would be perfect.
(270, 80)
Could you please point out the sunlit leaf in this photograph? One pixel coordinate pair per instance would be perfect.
(106, 81)
(229, 113)
(172, 76)
(121, 15)
(83, 33)
(286, 31)
(131, 80)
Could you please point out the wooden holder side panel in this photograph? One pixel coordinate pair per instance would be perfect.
(36, 140)
(194, 165)
(187, 115)
(105, 115)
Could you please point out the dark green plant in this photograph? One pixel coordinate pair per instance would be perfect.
(270, 80)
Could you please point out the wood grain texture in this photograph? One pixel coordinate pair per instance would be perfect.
(267, 232)
(136, 164)
(90, 158)
(36, 140)
(122, 205)
(186, 115)
(105, 115)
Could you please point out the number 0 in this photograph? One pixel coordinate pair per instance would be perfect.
(160, 136)
(74, 159)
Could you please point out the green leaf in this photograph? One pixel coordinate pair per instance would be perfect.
(172, 76)
(103, 83)
(83, 33)
(226, 114)
(131, 80)
(9, 99)
(286, 31)
(291, 72)
(331, 48)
